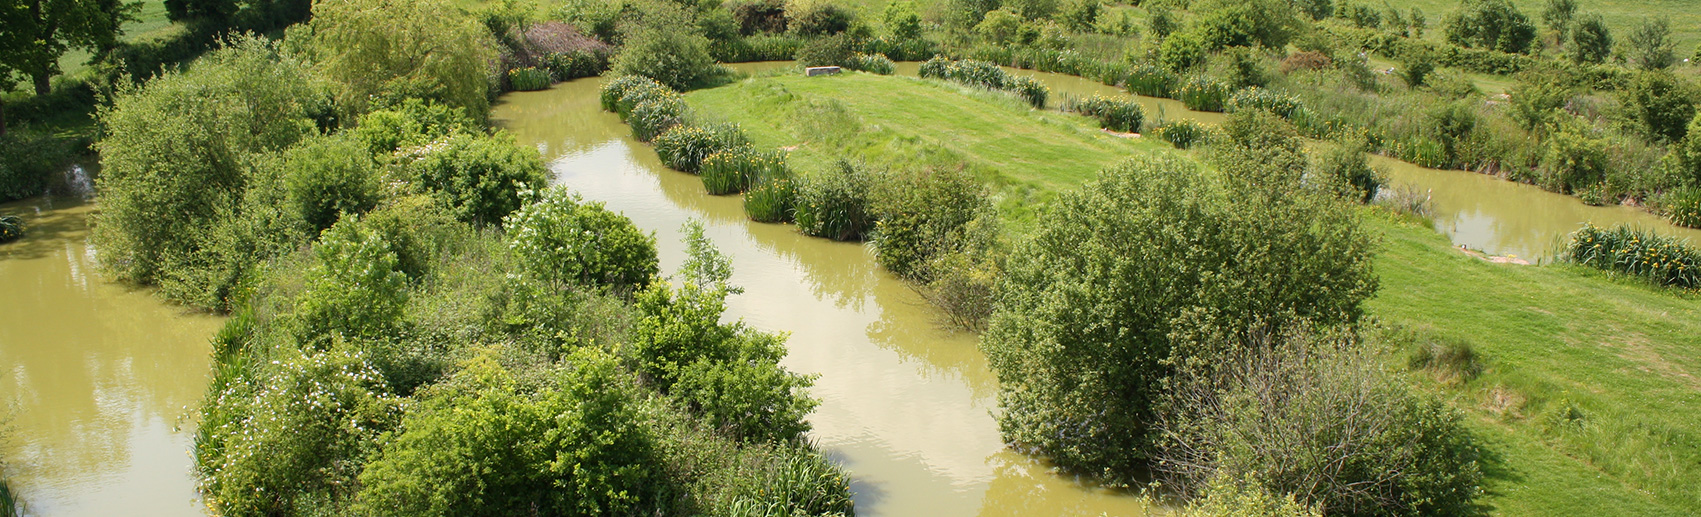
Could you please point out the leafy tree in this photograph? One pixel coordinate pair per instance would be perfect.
(1161, 21)
(1317, 10)
(480, 444)
(178, 152)
(672, 56)
(1080, 340)
(412, 123)
(479, 177)
(355, 290)
(1558, 15)
(1650, 46)
(1000, 27)
(389, 50)
(902, 21)
(1663, 104)
(1591, 41)
(1687, 154)
(1230, 23)
(1491, 24)
(566, 241)
(818, 18)
(328, 177)
(38, 32)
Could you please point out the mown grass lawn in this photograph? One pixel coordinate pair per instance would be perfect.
(1590, 395)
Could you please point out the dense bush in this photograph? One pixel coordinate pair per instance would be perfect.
(1184, 133)
(1662, 103)
(1203, 93)
(577, 63)
(1683, 206)
(683, 147)
(480, 444)
(650, 118)
(1664, 260)
(479, 177)
(1591, 41)
(1346, 169)
(1491, 24)
(835, 203)
(1686, 155)
(618, 87)
(565, 241)
(756, 16)
(673, 56)
(32, 160)
(1123, 115)
(177, 152)
(1081, 336)
(354, 290)
(11, 228)
(828, 51)
(1649, 45)
(327, 177)
(399, 49)
(818, 19)
(411, 123)
(1239, 23)
(528, 79)
(924, 216)
(1573, 161)
(738, 169)
(1343, 436)
(1246, 497)
(872, 63)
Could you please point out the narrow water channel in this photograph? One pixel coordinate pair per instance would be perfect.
(906, 407)
(97, 377)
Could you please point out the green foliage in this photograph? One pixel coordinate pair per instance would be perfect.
(354, 290)
(683, 147)
(1662, 103)
(401, 49)
(11, 228)
(652, 117)
(738, 169)
(1183, 133)
(901, 19)
(1416, 72)
(771, 199)
(39, 32)
(1686, 155)
(1083, 15)
(1162, 22)
(290, 437)
(1450, 125)
(983, 74)
(528, 79)
(32, 159)
(1242, 23)
(1344, 436)
(1664, 260)
(1558, 15)
(1574, 160)
(818, 19)
(872, 63)
(673, 56)
(1683, 206)
(563, 240)
(1182, 51)
(327, 177)
(836, 203)
(1536, 103)
(833, 50)
(1491, 24)
(1254, 98)
(577, 63)
(1348, 170)
(178, 151)
(1591, 41)
(1203, 93)
(411, 123)
(480, 444)
(1081, 336)
(1123, 114)
(925, 216)
(1150, 80)
(479, 177)
(613, 90)
(1246, 497)
(1650, 46)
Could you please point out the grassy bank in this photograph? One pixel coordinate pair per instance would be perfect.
(1582, 386)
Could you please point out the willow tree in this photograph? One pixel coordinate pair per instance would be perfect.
(390, 50)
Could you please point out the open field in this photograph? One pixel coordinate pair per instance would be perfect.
(1589, 383)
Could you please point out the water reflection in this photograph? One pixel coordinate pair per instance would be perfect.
(906, 406)
(97, 376)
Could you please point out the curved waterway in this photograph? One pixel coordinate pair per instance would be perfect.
(97, 377)
(905, 406)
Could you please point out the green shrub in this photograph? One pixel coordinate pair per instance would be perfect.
(32, 160)
(615, 89)
(872, 63)
(355, 288)
(1245, 497)
(1203, 93)
(563, 240)
(653, 117)
(1662, 103)
(1683, 207)
(1123, 115)
(1686, 155)
(327, 177)
(11, 228)
(1491, 24)
(757, 16)
(818, 19)
(673, 56)
(1665, 260)
(1573, 160)
(528, 79)
(411, 123)
(479, 177)
(1346, 168)
(683, 147)
(1345, 436)
(1080, 339)
(750, 397)
(1281, 104)
(1184, 133)
(1029, 89)
(939, 67)
(1182, 51)
(480, 445)
(577, 63)
(835, 203)
(828, 51)
(1149, 80)
(384, 50)
(923, 216)
(738, 169)
(771, 199)
(797, 484)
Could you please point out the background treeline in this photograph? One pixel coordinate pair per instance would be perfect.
(418, 326)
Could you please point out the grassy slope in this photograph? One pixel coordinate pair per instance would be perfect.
(1624, 354)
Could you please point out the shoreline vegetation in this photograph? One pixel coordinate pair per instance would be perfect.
(418, 326)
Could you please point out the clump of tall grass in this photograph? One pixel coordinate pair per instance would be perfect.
(770, 199)
(1665, 260)
(871, 63)
(983, 74)
(1280, 103)
(1123, 115)
(1683, 207)
(736, 169)
(655, 116)
(684, 147)
(1203, 93)
(11, 228)
(617, 88)
(528, 79)
(1183, 133)
(836, 203)
(1150, 80)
